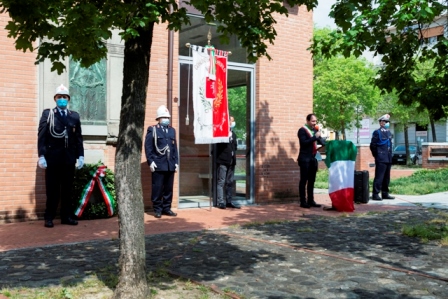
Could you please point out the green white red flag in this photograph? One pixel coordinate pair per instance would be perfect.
(340, 160)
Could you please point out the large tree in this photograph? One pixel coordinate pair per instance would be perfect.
(343, 90)
(79, 29)
(395, 30)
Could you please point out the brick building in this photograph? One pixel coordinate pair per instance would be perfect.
(278, 96)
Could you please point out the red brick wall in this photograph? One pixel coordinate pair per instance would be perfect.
(20, 178)
(284, 96)
(441, 161)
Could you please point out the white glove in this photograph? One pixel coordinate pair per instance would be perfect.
(80, 162)
(42, 162)
(177, 166)
(153, 166)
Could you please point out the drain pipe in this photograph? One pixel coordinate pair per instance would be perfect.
(169, 89)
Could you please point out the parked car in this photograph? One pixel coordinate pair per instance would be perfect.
(399, 154)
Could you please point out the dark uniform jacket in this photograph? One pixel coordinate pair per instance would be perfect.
(167, 161)
(226, 152)
(60, 150)
(381, 146)
(306, 144)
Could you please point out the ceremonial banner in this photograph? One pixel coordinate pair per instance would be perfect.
(211, 111)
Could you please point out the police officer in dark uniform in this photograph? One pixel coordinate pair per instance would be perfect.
(381, 148)
(162, 157)
(59, 144)
(309, 137)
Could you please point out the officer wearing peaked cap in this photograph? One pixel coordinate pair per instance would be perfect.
(162, 157)
(59, 144)
(381, 148)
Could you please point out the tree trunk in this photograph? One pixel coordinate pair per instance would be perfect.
(433, 130)
(406, 143)
(132, 263)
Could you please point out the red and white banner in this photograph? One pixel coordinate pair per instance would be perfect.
(211, 111)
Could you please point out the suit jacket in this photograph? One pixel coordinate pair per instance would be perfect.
(381, 152)
(167, 161)
(306, 144)
(226, 152)
(55, 150)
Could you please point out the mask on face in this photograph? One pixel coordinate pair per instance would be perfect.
(232, 125)
(165, 122)
(387, 125)
(62, 103)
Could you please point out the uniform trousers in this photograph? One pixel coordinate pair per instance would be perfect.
(162, 190)
(382, 178)
(59, 183)
(225, 181)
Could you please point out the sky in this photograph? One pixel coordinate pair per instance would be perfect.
(320, 14)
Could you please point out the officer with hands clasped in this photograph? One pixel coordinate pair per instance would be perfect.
(381, 148)
(162, 157)
(59, 144)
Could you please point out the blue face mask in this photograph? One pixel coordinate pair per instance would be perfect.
(62, 103)
(386, 125)
(232, 125)
(165, 122)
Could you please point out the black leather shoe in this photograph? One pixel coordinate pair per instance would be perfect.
(313, 204)
(170, 213)
(376, 197)
(158, 214)
(304, 205)
(232, 205)
(69, 221)
(49, 223)
(387, 196)
(221, 206)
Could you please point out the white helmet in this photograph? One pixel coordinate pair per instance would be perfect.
(61, 89)
(162, 111)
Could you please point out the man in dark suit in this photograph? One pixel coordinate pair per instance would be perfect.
(226, 161)
(308, 139)
(59, 144)
(162, 157)
(381, 148)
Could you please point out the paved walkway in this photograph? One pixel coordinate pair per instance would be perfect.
(301, 253)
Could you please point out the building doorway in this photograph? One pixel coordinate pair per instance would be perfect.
(196, 175)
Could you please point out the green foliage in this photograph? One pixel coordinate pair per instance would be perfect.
(436, 229)
(421, 182)
(367, 25)
(82, 177)
(321, 179)
(343, 90)
(237, 97)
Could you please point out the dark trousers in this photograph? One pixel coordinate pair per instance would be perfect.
(162, 190)
(59, 183)
(308, 170)
(225, 181)
(382, 178)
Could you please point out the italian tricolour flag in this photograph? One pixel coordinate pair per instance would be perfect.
(340, 160)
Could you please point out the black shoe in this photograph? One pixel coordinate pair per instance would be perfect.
(48, 223)
(221, 206)
(313, 204)
(232, 205)
(170, 213)
(376, 197)
(387, 196)
(304, 205)
(158, 214)
(69, 221)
